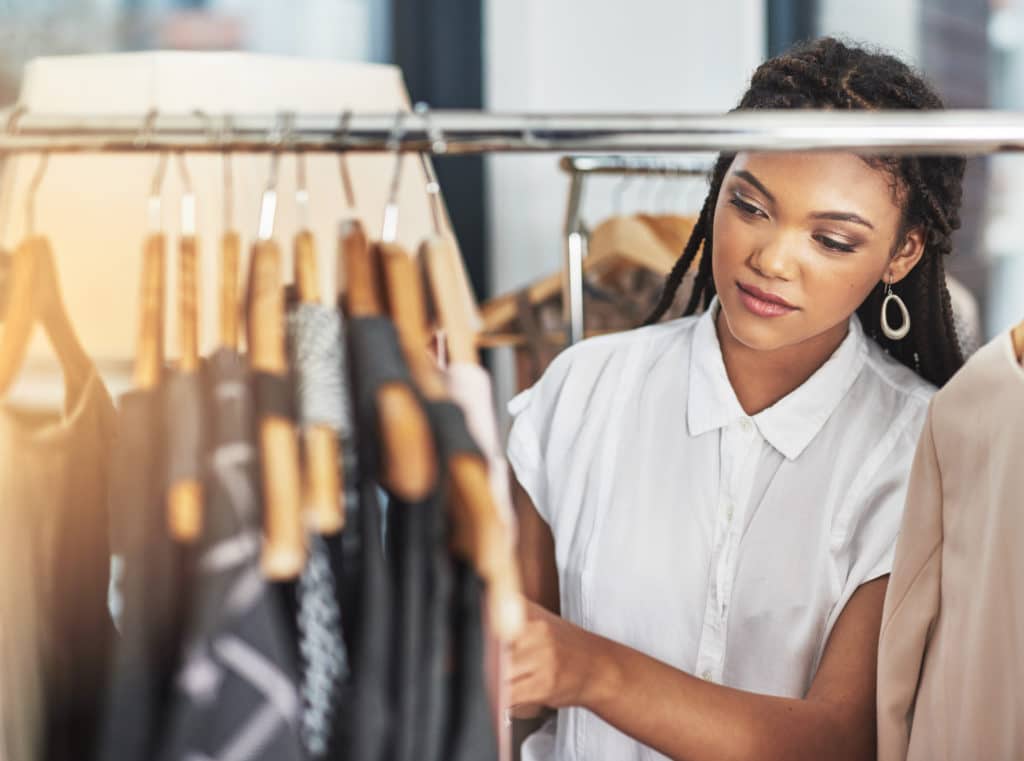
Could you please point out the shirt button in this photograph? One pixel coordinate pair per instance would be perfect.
(746, 426)
(728, 511)
(706, 676)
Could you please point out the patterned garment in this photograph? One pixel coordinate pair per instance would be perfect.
(236, 695)
(318, 362)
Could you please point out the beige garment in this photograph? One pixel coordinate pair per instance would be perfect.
(951, 655)
(52, 481)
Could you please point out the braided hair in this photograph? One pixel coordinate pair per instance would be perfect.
(828, 74)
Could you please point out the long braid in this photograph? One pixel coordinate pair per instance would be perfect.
(698, 237)
(827, 74)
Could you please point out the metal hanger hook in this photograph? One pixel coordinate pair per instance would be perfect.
(228, 201)
(268, 203)
(437, 145)
(344, 128)
(389, 231)
(156, 222)
(188, 199)
(301, 189)
(33, 189)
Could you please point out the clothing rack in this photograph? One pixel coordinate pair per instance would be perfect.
(454, 132)
(474, 132)
(579, 168)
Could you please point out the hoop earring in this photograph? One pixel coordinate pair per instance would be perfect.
(894, 334)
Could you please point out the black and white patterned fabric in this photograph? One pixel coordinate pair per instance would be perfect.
(317, 353)
(236, 693)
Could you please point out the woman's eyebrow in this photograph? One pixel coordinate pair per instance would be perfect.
(843, 216)
(743, 174)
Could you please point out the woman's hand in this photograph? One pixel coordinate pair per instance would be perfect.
(553, 663)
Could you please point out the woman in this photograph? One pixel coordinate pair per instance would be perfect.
(714, 500)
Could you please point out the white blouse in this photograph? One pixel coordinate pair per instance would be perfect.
(722, 544)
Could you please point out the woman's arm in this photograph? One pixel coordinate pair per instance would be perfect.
(536, 551)
(558, 664)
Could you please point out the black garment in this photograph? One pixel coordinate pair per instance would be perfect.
(80, 637)
(408, 553)
(375, 359)
(152, 588)
(236, 691)
(471, 735)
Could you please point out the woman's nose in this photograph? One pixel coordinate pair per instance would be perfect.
(775, 258)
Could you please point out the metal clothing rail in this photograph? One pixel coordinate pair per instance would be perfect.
(476, 132)
(579, 168)
(468, 132)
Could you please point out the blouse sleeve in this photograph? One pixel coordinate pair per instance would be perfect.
(864, 536)
(529, 442)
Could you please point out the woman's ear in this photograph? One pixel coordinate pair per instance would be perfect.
(907, 255)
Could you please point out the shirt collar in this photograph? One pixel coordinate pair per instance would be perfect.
(790, 424)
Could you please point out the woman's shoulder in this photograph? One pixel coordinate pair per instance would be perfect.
(585, 377)
(893, 382)
(641, 344)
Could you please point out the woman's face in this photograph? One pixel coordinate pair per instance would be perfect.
(800, 239)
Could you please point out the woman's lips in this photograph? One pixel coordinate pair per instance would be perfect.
(763, 304)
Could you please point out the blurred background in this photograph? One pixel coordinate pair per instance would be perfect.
(583, 55)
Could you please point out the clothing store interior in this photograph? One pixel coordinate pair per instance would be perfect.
(540, 380)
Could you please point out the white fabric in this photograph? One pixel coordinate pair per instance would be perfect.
(721, 544)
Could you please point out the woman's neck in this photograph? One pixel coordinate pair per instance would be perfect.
(761, 378)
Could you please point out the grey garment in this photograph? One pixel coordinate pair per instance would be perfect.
(235, 696)
(317, 340)
(318, 362)
(184, 400)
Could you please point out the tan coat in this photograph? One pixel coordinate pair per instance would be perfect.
(951, 655)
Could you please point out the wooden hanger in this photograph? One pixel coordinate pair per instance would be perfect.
(185, 496)
(479, 533)
(323, 485)
(284, 548)
(452, 297)
(407, 444)
(230, 251)
(1017, 335)
(34, 297)
(149, 354)
(616, 241)
(458, 321)
(284, 551)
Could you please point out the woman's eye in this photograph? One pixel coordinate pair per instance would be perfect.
(834, 245)
(747, 208)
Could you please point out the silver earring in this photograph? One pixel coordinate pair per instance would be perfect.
(894, 334)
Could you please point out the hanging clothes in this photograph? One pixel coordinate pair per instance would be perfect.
(949, 681)
(471, 731)
(367, 717)
(470, 387)
(154, 582)
(316, 350)
(236, 692)
(55, 630)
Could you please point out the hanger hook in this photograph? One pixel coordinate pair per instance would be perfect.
(188, 199)
(142, 140)
(301, 189)
(228, 202)
(12, 121)
(33, 189)
(437, 145)
(344, 128)
(389, 232)
(268, 204)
